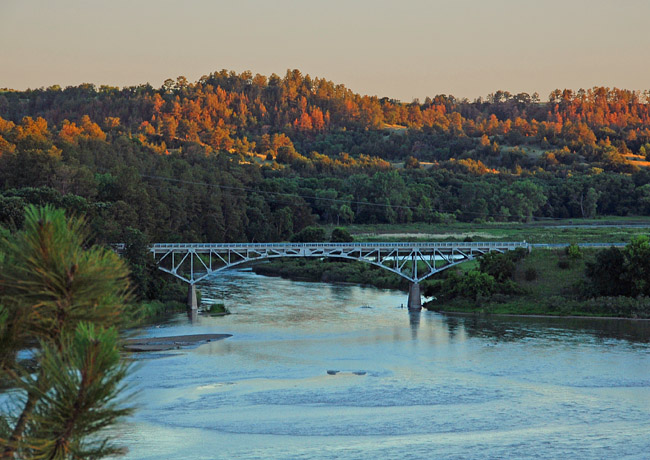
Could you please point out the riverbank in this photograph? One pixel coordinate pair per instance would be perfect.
(599, 307)
(546, 282)
(331, 271)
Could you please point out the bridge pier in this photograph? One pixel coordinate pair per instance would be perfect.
(415, 300)
(192, 304)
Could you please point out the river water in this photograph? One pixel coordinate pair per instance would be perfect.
(423, 386)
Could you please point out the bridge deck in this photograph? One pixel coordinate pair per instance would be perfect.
(166, 247)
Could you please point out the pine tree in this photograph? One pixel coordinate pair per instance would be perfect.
(66, 300)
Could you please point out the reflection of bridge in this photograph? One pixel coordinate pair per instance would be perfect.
(194, 262)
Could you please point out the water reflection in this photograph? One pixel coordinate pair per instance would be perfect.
(414, 321)
(508, 329)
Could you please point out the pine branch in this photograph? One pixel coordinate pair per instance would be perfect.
(54, 290)
(86, 380)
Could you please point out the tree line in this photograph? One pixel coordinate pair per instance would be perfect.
(242, 157)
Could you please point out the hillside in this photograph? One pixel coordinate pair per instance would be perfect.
(243, 157)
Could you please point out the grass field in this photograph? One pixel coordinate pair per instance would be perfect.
(610, 230)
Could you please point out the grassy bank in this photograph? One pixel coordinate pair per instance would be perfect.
(151, 311)
(171, 298)
(550, 283)
(606, 230)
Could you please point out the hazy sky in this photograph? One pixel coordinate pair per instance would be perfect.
(401, 49)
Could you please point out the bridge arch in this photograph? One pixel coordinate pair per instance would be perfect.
(202, 260)
(195, 262)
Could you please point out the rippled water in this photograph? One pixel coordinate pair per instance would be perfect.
(408, 386)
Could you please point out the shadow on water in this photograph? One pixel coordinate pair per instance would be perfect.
(510, 329)
(414, 321)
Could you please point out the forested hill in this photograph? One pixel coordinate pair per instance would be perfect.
(243, 157)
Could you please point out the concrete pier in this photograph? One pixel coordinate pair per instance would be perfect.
(415, 300)
(192, 304)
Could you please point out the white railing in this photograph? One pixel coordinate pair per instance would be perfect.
(411, 245)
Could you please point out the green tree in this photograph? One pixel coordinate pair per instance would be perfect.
(11, 211)
(637, 265)
(341, 235)
(475, 284)
(607, 273)
(500, 266)
(309, 235)
(573, 251)
(589, 205)
(69, 299)
(136, 252)
(346, 214)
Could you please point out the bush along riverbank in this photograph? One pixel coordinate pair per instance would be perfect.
(567, 282)
(171, 298)
(331, 271)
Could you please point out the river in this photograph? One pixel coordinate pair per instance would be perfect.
(424, 386)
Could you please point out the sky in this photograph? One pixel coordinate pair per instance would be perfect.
(403, 49)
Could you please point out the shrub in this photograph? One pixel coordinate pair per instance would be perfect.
(476, 284)
(218, 308)
(510, 287)
(500, 266)
(563, 264)
(573, 251)
(309, 235)
(530, 274)
(607, 273)
(411, 163)
(500, 298)
(518, 254)
(341, 235)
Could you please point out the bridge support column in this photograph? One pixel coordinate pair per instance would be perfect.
(192, 304)
(415, 300)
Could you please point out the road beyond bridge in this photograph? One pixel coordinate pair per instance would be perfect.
(194, 262)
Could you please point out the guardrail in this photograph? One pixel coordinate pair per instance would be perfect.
(468, 245)
(582, 245)
(460, 245)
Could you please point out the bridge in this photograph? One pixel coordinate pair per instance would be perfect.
(195, 262)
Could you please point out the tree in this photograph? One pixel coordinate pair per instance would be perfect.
(309, 235)
(11, 211)
(573, 251)
(607, 273)
(141, 264)
(70, 300)
(589, 205)
(473, 284)
(637, 265)
(411, 163)
(341, 235)
(346, 214)
(500, 266)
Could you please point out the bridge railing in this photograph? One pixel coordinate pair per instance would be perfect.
(412, 245)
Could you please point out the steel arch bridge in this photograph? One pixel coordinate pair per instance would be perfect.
(195, 262)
